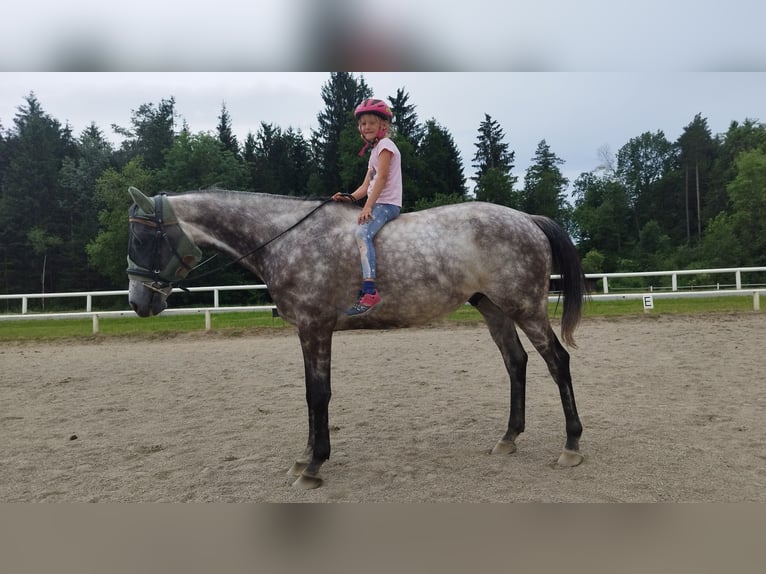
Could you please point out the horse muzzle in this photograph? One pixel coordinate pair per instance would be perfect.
(146, 299)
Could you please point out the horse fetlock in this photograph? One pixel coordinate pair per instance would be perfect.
(297, 468)
(573, 442)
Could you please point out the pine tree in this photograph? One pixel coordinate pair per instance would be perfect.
(545, 186)
(78, 177)
(152, 133)
(405, 119)
(249, 152)
(493, 162)
(279, 161)
(698, 151)
(407, 134)
(225, 135)
(441, 179)
(31, 224)
(300, 161)
(340, 94)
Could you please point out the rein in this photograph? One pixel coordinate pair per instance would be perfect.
(181, 284)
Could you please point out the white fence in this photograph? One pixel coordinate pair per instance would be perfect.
(736, 287)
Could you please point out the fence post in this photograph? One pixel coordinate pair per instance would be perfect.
(95, 324)
(23, 305)
(674, 281)
(208, 325)
(756, 301)
(606, 285)
(88, 303)
(738, 277)
(215, 297)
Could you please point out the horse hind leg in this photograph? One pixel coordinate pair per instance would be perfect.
(541, 334)
(503, 332)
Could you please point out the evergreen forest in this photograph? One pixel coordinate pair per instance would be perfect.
(697, 202)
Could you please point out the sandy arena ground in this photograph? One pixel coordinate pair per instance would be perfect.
(673, 409)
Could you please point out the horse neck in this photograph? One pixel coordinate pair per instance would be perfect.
(236, 223)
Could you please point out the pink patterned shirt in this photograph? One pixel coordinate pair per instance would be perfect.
(392, 192)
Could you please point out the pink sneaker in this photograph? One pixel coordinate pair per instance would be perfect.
(363, 305)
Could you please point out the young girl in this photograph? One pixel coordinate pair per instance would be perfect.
(383, 187)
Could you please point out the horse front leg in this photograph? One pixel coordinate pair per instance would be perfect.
(316, 345)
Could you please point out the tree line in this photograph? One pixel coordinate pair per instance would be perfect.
(697, 202)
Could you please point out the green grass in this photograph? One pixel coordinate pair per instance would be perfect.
(133, 326)
(235, 324)
(728, 304)
(594, 308)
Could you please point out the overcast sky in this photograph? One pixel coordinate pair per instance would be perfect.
(576, 113)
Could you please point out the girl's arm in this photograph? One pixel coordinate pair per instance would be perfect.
(384, 165)
(359, 192)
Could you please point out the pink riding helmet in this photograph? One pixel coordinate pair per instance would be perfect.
(378, 108)
(373, 106)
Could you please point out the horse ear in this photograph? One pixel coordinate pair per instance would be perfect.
(146, 204)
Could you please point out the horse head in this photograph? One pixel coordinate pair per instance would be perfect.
(159, 253)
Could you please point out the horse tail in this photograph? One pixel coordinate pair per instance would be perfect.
(567, 261)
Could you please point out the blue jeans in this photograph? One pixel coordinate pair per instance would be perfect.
(382, 213)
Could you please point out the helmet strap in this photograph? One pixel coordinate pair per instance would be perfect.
(369, 145)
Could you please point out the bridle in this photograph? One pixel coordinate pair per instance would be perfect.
(157, 232)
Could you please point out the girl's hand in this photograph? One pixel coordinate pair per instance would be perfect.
(366, 215)
(343, 197)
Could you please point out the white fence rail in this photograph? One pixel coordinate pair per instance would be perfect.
(734, 272)
(736, 287)
(90, 295)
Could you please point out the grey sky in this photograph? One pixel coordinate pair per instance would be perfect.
(576, 113)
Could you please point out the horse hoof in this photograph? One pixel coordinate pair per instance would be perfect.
(504, 447)
(570, 458)
(297, 469)
(308, 481)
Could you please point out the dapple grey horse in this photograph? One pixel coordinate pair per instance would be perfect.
(430, 263)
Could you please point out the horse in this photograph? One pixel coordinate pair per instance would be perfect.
(430, 263)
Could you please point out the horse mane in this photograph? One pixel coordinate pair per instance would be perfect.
(215, 188)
